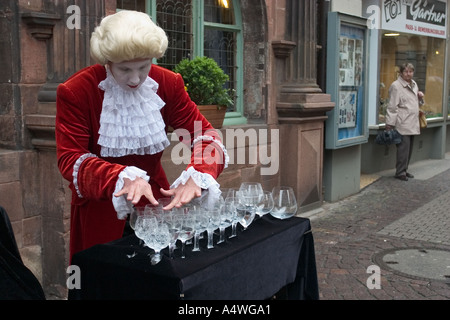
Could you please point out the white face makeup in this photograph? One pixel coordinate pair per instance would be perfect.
(131, 74)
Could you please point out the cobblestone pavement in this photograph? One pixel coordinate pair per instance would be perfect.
(353, 235)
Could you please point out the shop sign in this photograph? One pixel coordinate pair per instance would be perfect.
(421, 17)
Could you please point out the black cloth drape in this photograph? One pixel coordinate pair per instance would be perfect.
(270, 255)
(17, 282)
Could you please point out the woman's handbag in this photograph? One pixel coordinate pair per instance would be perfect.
(422, 119)
(388, 137)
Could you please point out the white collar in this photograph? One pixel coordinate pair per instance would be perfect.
(131, 121)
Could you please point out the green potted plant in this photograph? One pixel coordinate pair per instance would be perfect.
(205, 81)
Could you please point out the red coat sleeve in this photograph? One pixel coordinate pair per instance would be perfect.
(77, 124)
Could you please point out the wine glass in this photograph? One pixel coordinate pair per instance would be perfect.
(174, 224)
(251, 193)
(147, 229)
(245, 208)
(251, 189)
(213, 215)
(265, 205)
(231, 192)
(190, 208)
(231, 196)
(285, 203)
(157, 237)
(137, 211)
(186, 231)
(201, 222)
(162, 202)
(226, 217)
(141, 214)
(139, 227)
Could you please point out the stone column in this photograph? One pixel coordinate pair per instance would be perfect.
(62, 29)
(301, 105)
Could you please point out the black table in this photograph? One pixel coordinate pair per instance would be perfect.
(272, 256)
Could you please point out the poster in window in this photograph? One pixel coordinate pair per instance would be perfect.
(350, 61)
(351, 91)
(347, 109)
(347, 123)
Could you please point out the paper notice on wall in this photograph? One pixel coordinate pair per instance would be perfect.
(350, 61)
(347, 109)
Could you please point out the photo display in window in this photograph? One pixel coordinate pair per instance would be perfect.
(350, 61)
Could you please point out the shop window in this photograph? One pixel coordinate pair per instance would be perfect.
(448, 97)
(176, 18)
(137, 5)
(427, 54)
(209, 28)
(220, 38)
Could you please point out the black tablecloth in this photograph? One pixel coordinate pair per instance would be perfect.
(270, 255)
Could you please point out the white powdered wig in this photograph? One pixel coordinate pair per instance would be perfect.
(125, 36)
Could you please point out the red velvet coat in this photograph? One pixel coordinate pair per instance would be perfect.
(79, 105)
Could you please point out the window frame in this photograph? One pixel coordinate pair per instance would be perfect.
(438, 114)
(199, 24)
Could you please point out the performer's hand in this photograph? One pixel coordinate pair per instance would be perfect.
(135, 189)
(182, 194)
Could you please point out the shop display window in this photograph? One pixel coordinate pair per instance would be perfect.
(427, 54)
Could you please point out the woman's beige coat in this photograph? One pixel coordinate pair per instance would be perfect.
(403, 108)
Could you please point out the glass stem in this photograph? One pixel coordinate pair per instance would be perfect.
(183, 245)
(196, 240)
(171, 249)
(222, 235)
(210, 239)
(233, 229)
(155, 258)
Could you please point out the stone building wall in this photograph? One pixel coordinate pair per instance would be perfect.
(19, 82)
(38, 51)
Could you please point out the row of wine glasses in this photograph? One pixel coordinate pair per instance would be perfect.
(281, 202)
(159, 228)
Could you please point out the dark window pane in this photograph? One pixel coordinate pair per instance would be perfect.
(137, 5)
(221, 46)
(175, 17)
(219, 11)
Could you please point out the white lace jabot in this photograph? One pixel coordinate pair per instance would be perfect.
(131, 121)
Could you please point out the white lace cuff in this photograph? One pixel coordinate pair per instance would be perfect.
(201, 179)
(220, 144)
(76, 168)
(121, 204)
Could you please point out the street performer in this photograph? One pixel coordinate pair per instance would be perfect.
(111, 131)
